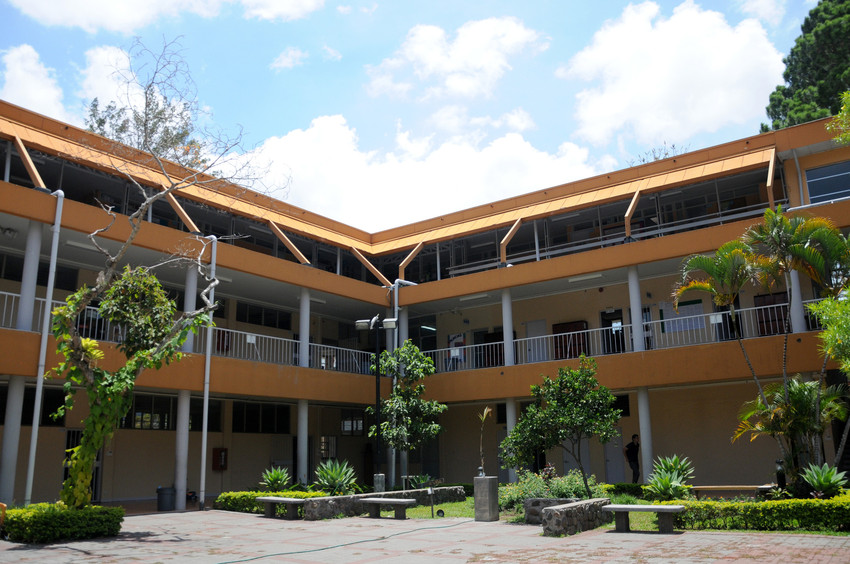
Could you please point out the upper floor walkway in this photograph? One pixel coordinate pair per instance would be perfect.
(679, 331)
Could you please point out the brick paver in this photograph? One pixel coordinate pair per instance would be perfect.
(219, 536)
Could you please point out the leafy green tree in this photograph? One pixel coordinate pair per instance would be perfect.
(840, 126)
(135, 301)
(408, 421)
(567, 410)
(817, 70)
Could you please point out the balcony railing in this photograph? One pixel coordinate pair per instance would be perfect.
(678, 331)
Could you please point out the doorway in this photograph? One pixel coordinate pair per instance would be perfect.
(615, 468)
(535, 349)
(613, 340)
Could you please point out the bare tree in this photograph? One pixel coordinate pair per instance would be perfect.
(153, 134)
(665, 151)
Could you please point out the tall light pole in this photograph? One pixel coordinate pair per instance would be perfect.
(368, 325)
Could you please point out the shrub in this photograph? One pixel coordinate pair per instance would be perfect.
(336, 478)
(49, 522)
(623, 488)
(530, 485)
(274, 479)
(785, 515)
(826, 482)
(246, 502)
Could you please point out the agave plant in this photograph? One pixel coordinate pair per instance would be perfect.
(826, 481)
(274, 479)
(666, 485)
(682, 466)
(335, 478)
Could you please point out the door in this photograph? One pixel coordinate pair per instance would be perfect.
(613, 340)
(535, 348)
(615, 466)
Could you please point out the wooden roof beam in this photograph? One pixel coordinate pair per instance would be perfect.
(370, 267)
(770, 178)
(503, 246)
(630, 212)
(289, 244)
(409, 258)
(28, 164)
(181, 213)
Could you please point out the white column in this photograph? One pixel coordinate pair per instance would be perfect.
(510, 419)
(29, 279)
(304, 329)
(403, 327)
(303, 443)
(181, 450)
(181, 443)
(645, 425)
(15, 397)
(798, 313)
(636, 310)
(508, 327)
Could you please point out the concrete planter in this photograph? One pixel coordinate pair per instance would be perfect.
(486, 490)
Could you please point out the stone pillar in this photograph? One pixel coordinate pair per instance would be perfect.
(15, 397)
(303, 443)
(645, 423)
(486, 491)
(798, 312)
(508, 327)
(636, 310)
(304, 329)
(510, 420)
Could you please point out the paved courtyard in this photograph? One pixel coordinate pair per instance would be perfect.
(219, 536)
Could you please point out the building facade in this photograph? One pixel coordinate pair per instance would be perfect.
(497, 295)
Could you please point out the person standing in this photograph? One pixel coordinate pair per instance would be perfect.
(631, 452)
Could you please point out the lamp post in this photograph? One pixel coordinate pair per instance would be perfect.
(377, 324)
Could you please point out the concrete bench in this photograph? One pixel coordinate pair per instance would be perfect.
(665, 515)
(291, 504)
(400, 506)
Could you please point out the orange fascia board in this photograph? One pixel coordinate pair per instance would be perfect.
(587, 198)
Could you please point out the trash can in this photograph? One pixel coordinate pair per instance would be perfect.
(165, 499)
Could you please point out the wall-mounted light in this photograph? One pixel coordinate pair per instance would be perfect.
(472, 297)
(584, 277)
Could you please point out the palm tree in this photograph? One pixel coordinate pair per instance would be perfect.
(786, 244)
(723, 276)
(797, 422)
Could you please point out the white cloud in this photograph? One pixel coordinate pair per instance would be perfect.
(456, 121)
(343, 9)
(369, 10)
(104, 76)
(123, 16)
(666, 79)
(27, 82)
(332, 176)
(768, 11)
(286, 10)
(291, 57)
(127, 16)
(331, 54)
(468, 66)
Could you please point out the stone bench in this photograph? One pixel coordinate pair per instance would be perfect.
(291, 504)
(664, 512)
(375, 503)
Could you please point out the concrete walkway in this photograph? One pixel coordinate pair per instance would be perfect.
(220, 536)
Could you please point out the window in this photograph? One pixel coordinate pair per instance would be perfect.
(829, 182)
(266, 316)
(352, 422)
(622, 403)
(259, 417)
(327, 447)
(51, 400)
(159, 413)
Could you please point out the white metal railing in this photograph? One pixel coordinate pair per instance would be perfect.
(467, 357)
(248, 346)
(339, 359)
(591, 342)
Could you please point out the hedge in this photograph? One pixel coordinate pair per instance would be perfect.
(246, 502)
(780, 515)
(48, 522)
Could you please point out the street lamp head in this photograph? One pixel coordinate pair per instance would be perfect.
(362, 324)
(390, 323)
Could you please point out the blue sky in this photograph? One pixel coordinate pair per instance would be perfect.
(382, 113)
